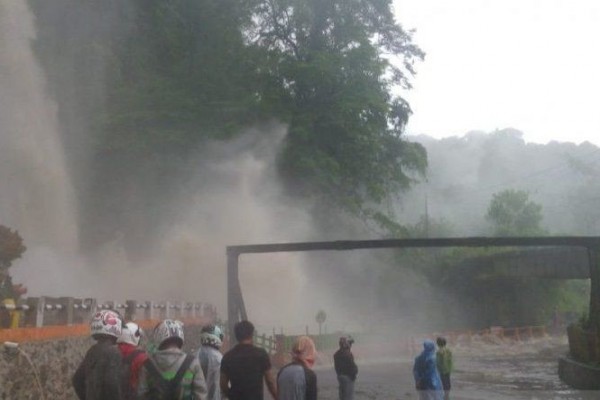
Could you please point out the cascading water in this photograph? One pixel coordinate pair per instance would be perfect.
(36, 196)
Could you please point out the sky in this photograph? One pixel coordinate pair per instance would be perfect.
(532, 65)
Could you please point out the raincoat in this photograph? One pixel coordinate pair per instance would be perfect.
(427, 378)
(192, 385)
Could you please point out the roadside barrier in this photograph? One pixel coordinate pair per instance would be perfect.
(47, 318)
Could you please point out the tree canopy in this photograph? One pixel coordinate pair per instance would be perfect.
(11, 246)
(512, 213)
(328, 61)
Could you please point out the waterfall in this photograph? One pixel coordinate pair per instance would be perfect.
(36, 195)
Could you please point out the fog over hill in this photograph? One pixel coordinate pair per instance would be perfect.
(464, 172)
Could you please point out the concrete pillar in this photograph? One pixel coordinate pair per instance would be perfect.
(130, 310)
(35, 314)
(66, 314)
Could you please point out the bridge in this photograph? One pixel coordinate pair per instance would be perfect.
(563, 257)
(547, 263)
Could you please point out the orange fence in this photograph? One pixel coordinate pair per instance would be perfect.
(50, 318)
(55, 332)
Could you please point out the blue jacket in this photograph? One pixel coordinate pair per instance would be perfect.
(425, 370)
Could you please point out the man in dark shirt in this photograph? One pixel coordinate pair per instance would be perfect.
(244, 367)
(345, 368)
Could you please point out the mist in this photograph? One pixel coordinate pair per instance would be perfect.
(154, 226)
(232, 197)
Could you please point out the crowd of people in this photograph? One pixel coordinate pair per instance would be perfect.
(117, 367)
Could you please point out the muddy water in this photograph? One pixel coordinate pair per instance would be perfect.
(483, 371)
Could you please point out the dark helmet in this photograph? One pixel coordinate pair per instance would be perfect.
(211, 335)
(346, 342)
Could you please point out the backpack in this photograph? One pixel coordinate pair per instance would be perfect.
(161, 388)
(129, 393)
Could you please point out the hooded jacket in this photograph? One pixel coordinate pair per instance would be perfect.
(425, 369)
(98, 376)
(210, 361)
(343, 361)
(168, 361)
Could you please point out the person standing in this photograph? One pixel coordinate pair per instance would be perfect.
(170, 373)
(133, 358)
(427, 378)
(444, 365)
(98, 376)
(345, 368)
(297, 380)
(211, 339)
(245, 366)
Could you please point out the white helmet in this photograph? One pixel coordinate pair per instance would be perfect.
(106, 322)
(211, 335)
(168, 329)
(132, 333)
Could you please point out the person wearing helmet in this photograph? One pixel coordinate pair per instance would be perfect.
(211, 339)
(133, 358)
(345, 368)
(98, 376)
(245, 366)
(171, 373)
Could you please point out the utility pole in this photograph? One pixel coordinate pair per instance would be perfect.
(426, 211)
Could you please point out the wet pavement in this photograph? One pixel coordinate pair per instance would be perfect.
(483, 371)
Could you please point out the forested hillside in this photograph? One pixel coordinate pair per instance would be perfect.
(465, 172)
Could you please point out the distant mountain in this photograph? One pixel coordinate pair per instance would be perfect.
(464, 173)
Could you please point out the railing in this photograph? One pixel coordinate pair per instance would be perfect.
(269, 343)
(375, 346)
(44, 311)
(514, 333)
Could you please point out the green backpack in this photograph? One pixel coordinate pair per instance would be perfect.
(161, 388)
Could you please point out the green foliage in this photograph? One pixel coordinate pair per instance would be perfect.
(180, 74)
(327, 61)
(11, 246)
(513, 214)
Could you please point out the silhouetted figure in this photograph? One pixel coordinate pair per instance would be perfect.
(245, 366)
(211, 339)
(170, 373)
(345, 368)
(445, 365)
(427, 378)
(297, 380)
(133, 359)
(98, 377)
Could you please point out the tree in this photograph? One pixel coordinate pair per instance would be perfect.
(329, 62)
(11, 246)
(513, 214)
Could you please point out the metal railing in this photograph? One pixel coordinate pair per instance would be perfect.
(50, 311)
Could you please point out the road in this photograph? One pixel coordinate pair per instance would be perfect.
(483, 372)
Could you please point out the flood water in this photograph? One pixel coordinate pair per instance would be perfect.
(483, 371)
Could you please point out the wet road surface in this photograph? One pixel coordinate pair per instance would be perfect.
(482, 372)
